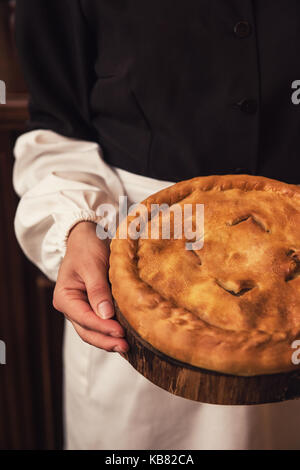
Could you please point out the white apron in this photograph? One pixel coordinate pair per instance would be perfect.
(108, 405)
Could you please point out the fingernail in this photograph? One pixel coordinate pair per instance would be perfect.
(119, 350)
(116, 334)
(105, 310)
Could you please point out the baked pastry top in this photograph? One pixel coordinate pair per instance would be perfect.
(232, 306)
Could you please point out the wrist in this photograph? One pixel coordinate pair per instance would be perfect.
(81, 228)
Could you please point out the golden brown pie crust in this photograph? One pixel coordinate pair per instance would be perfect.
(234, 305)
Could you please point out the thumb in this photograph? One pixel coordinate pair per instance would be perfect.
(99, 293)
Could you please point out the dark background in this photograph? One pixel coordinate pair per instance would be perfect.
(31, 380)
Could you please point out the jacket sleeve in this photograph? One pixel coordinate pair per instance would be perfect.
(61, 182)
(56, 53)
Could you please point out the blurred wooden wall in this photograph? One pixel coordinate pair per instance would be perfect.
(31, 380)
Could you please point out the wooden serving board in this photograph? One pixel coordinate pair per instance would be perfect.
(203, 385)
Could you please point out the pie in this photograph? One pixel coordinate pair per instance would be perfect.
(232, 306)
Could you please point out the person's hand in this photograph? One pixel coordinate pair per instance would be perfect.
(82, 291)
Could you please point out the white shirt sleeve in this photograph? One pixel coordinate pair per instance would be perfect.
(60, 181)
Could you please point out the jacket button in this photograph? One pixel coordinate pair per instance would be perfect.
(247, 106)
(242, 29)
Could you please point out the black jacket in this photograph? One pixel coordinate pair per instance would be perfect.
(170, 89)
